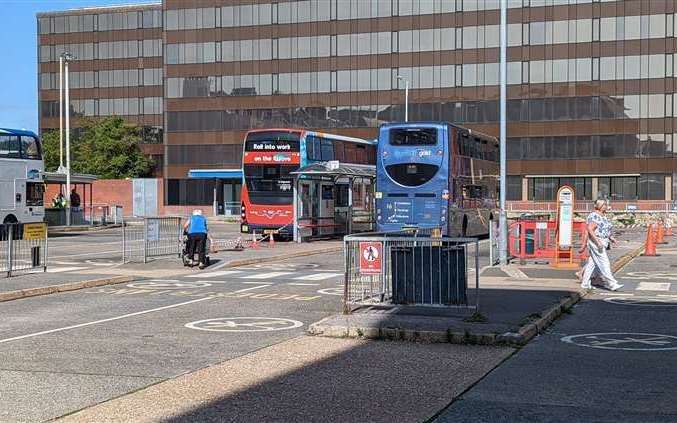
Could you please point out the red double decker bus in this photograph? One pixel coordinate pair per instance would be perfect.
(270, 155)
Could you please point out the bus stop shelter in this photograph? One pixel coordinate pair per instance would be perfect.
(333, 199)
(83, 215)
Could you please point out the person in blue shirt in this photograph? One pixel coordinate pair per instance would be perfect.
(197, 230)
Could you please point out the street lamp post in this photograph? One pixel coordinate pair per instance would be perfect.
(502, 218)
(61, 113)
(406, 97)
(66, 58)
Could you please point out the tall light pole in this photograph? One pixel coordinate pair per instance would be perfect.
(406, 97)
(67, 58)
(502, 218)
(61, 169)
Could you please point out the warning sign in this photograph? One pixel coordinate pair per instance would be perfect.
(370, 258)
(35, 231)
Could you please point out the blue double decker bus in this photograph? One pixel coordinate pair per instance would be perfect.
(436, 175)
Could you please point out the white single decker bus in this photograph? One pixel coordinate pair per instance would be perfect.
(22, 187)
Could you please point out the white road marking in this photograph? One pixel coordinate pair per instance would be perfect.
(64, 269)
(317, 277)
(303, 284)
(65, 263)
(215, 274)
(110, 319)
(252, 288)
(514, 272)
(85, 254)
(653, 286)
(270, 275)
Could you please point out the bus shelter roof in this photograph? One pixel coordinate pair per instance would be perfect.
(340, 170)
(76, 178)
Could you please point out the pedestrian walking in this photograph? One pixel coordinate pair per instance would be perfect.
(599, 238)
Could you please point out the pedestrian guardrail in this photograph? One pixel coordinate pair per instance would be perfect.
(146, 237)
(400, 269)
(23, 247)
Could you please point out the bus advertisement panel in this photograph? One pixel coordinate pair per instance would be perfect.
(269, 157)
(21, 177)
(436, 175)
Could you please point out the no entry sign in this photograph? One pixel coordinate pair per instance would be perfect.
(370, 258)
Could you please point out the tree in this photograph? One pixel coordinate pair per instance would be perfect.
(107, 148)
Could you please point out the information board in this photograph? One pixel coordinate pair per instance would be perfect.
(565, 216)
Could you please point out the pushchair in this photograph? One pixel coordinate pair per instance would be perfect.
(185, 256)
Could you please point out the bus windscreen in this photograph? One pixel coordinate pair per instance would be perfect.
(269, 184)
(413, 136)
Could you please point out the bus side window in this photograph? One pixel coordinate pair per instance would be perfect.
(10, 147)
(310, 147)
(327, 150)
(338, 151)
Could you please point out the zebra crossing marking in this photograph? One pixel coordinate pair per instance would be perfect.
(653, 286)
(215, 274)
(317, 277)
(269, 275)
(64, 269)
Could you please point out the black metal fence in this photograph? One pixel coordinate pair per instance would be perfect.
(405, 269)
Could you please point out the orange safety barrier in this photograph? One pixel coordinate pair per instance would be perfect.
(537, 239)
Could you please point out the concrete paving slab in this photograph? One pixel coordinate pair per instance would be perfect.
(311, 379)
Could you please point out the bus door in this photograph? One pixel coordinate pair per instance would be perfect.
(325, 204)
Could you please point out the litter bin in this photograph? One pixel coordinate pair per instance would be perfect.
(429, 275)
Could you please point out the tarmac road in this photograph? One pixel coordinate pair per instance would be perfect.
(62, 352)
(612, 360)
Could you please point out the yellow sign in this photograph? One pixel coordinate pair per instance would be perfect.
(35, 231)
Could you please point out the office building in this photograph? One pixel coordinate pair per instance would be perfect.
(590, 97)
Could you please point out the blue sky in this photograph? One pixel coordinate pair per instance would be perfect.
(18, 73)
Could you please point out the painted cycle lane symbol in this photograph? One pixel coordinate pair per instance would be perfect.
(626, 341)
(244, 324)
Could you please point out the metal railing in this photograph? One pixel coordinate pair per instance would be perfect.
(617, 206)
(416, 270)
(23, 247)
(96, 214)
(147, 237)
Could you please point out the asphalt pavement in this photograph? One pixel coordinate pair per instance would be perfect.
(612, 359)
(65, 351)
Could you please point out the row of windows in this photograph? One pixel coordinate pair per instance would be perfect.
(322, 149)
(104, 78)
(19, 147)
(591, 146)
(325, 10)
(564, 108)
(102, 50)
(100, 22)
(422, 77)
(615, 28)
(106, 107)
(624, 188)
(205, 154)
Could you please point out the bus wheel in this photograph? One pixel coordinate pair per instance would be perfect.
(464, 230)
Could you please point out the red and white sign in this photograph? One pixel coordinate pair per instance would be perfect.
(371, 254)
(271, 158)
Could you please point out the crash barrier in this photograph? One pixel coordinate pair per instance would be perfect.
(537, 239)
(391, 269)
(23, 247)
(147, 237)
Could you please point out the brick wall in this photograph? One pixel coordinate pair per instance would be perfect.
(104, 191)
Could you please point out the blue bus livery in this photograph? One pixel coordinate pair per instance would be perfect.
(436, 175)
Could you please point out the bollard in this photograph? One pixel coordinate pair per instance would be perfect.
(660, 233)
(668, 228)
(255, 244)
(271, 241)
(650, 244)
